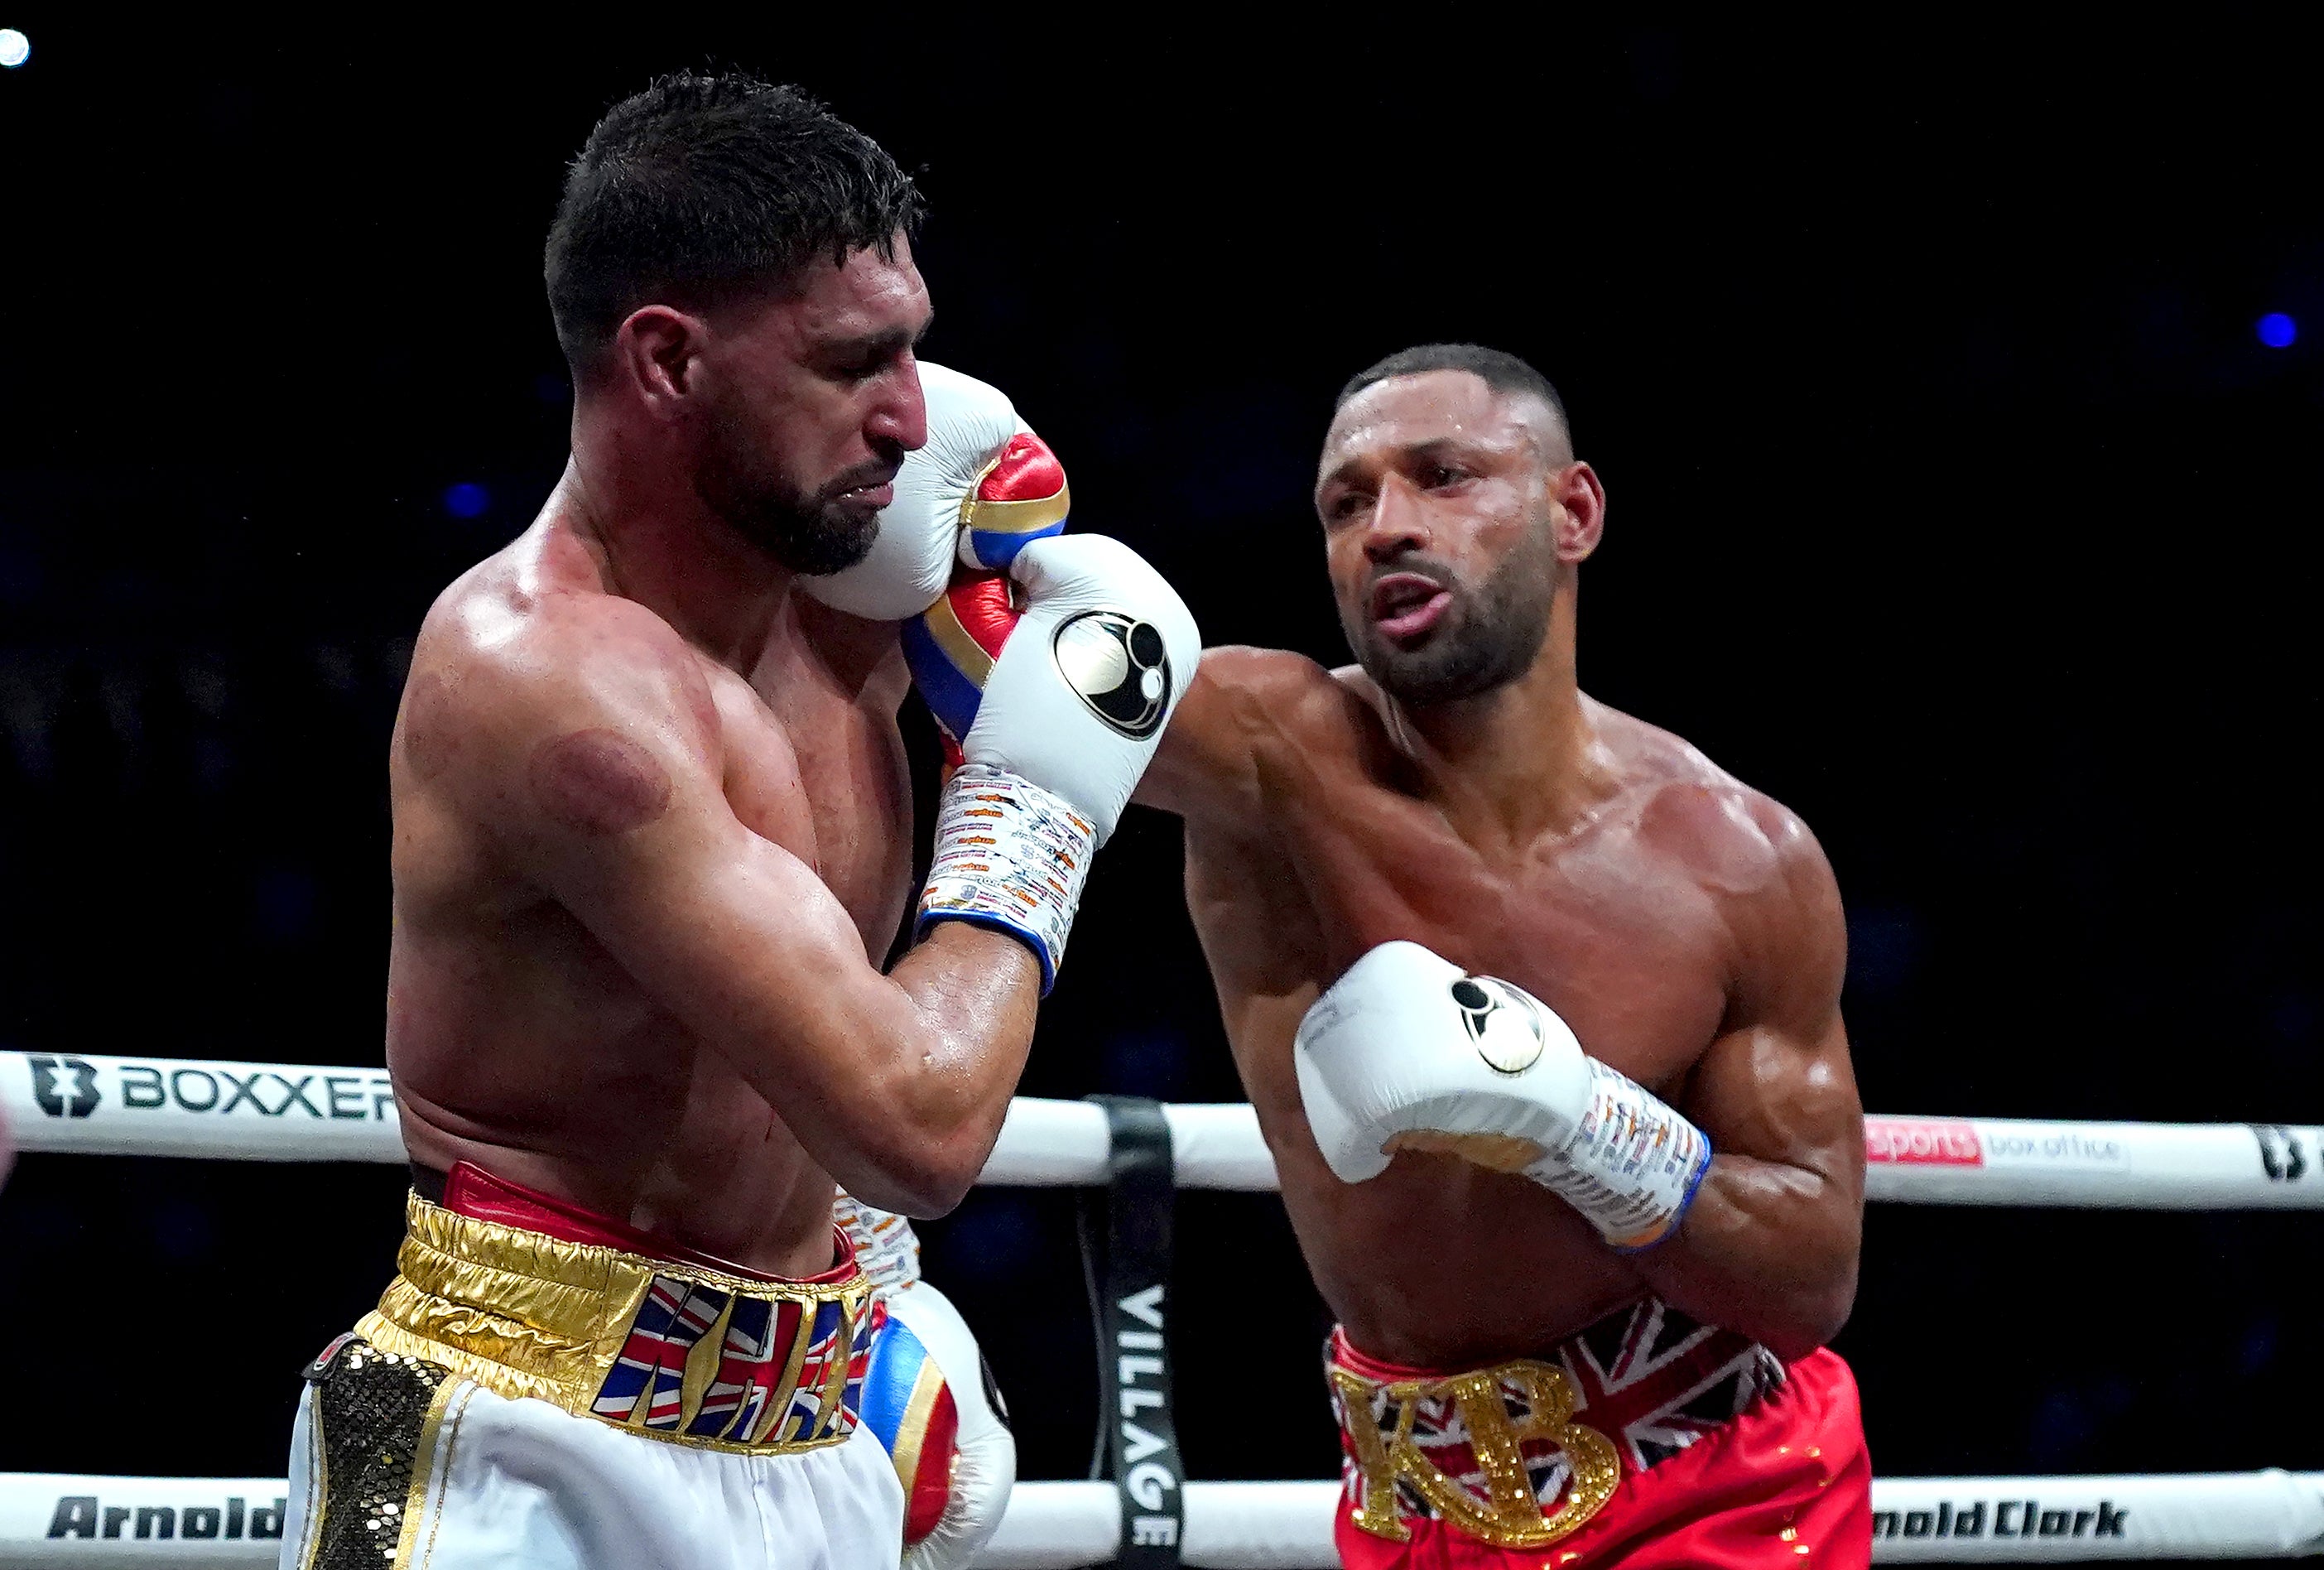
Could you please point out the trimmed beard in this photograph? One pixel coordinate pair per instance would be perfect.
(737, 479)
(1490, 639)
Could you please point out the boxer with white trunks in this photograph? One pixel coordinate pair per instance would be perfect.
(1540, 1012)
(653, 841)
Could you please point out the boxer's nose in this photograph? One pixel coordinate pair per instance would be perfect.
(1399, 524)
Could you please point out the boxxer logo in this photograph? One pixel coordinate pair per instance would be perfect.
(65, 1087)
(1118, 666)
(2282, 1155)
(1507, 1034)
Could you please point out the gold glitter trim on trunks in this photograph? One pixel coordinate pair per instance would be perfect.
(678, 1353)
(1496, 1411)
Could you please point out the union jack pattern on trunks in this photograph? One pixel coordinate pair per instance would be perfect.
(754, 1353)
(1648, 1378)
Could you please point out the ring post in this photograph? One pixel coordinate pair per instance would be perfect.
(1141, 1436)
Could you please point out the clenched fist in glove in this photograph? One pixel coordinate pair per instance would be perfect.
(983, 486)
(929, 1398)
(1407, 1051)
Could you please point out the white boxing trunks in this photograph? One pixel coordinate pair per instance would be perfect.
(540, 1386)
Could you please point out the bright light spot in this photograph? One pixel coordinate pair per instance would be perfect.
(15, 48)
(466, 500)
(2277, 330)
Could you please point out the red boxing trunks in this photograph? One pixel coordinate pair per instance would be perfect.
(1647, 1441)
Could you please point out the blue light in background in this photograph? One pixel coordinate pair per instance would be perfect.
(2277, 330)
(15, 48)
(466, 500)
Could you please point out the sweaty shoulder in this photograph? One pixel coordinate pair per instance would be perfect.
(1273, 691)
(1754, 854)
(533, 691)
(1244, 702)
(1740, 841)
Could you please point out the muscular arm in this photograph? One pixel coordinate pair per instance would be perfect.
(1204, 769)
(596, 768)
(1769, 1248)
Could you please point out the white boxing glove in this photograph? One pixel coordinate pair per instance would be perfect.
(930, 1399)
(1060, 707)
(1407, 1051)
(982, 487)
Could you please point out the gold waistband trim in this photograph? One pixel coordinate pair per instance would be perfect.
(729, 1362)
(1495, 1419)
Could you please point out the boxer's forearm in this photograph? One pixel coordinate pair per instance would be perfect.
(940, 1078)
(1767, 1249)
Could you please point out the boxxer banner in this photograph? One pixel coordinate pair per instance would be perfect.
(99, 1106)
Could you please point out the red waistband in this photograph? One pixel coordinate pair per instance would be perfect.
(471, 1191)
(1351, 1356)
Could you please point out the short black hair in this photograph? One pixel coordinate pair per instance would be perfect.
(1497, 368)
(705, 187)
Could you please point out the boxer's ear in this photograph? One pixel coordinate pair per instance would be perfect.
(1579, 518)
(659, 350)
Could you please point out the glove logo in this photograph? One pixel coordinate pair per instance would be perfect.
(1119, 667)
(1507, 1034)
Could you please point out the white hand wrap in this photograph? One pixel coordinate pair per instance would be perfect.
(1632, 1164)
(887, 1249)
(1011, 856)
(1408, 1051)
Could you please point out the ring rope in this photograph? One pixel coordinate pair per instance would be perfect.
(50, 1518)
(280, 1112)
(225, 1110)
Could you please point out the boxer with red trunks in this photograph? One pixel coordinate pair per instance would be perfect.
(1540, 1010)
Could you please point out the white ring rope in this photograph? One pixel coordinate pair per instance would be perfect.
(50, 1518)
(276, 1111)
(103, 1105)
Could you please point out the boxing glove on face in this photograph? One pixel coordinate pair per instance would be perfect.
(1407, 1051)
(951, 647)
(982, 487)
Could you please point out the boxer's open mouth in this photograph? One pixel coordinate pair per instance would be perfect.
(1406, 605)
(873, 495)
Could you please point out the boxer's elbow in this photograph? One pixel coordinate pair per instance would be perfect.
(922, 1180)
(1770, 1252)
(932, 1148)
(1810, 1316)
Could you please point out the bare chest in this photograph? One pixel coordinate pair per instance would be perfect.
(827, 778)
(1623, 941)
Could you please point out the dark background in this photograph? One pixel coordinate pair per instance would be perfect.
(1956, 503)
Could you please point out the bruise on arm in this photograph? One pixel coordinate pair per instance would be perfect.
(1770, 1246)
(597, 783)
